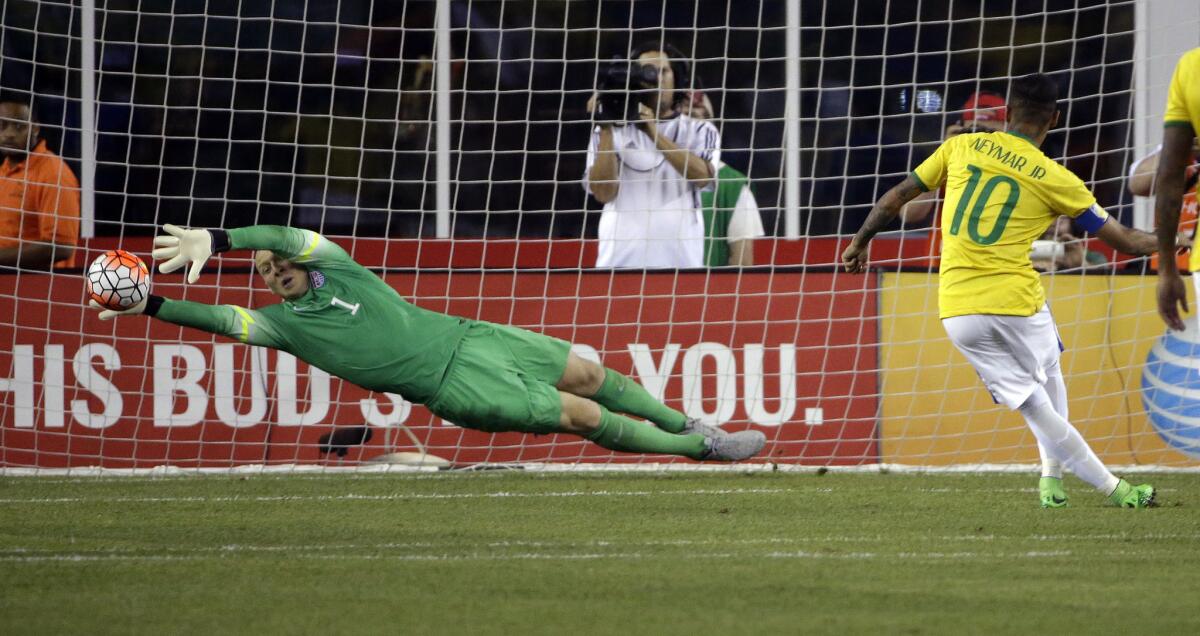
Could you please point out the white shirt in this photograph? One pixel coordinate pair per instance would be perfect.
(1137, 164)
(746, 222)
(655, 220)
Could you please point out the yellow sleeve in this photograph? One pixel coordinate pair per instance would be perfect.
(932, 172)
(1066, 193)
(1177, 112)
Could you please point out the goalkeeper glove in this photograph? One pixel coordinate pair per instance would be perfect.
(109, 314)
(182, 247)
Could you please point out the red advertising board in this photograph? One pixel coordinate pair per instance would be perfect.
(792, 353)
(558, 253)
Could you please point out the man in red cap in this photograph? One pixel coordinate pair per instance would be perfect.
(982, 111)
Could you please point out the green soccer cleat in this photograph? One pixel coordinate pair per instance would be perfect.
(1129, 496)
(1052, 493)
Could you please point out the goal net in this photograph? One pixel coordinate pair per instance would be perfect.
(444, 145)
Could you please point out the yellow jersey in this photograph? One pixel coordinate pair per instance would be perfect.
(1002, 193)
(1183, 98)
(1183, 109)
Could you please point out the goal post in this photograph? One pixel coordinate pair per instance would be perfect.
(443, 145)
(1171, 23)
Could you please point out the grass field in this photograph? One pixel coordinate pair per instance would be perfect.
(507, 552)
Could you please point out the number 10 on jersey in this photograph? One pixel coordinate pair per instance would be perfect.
(973, 221)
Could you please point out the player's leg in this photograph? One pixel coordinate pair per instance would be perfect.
(1011, 355)
(1064, 442)
(613, 431)
(617, 392)
(590, 420)
(499, 382)
(1050, 485)
(1036, 339)
(1051, 492)
(551, 361)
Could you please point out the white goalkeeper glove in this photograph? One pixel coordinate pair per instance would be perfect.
(182, 247)
(109, 314)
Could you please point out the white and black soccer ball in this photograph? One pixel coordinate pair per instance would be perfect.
(118, 280)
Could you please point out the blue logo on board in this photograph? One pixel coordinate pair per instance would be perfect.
(1171, 389)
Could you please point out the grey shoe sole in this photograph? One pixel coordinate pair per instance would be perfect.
(694, 425)
(735, 447)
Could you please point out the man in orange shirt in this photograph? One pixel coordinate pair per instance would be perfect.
(39, 195)
(1141, 183)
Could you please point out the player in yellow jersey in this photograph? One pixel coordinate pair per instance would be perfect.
(1002, 192)
(1181, 122)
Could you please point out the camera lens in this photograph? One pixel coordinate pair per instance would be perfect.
(648, 75)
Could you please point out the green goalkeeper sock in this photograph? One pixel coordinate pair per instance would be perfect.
(619, 433)
(623, 395)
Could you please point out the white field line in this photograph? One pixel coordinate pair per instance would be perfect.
(546, 556)
(20, 553)
(102, 478)
(504, 494)
(947, 490)
(558, 468)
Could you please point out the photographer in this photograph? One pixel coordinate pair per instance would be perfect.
(647, 163)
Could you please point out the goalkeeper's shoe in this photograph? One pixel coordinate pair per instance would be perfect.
(1052, 493)
(696, 425)
(1129, 496)
(734, 446)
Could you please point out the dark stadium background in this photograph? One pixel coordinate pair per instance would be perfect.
(206, 106)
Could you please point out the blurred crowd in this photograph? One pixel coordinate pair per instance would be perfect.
(320, 114)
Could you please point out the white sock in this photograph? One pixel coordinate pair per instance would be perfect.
(1056, 389)
(1063, 442)
(1051, 467)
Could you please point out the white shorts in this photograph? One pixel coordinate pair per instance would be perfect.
(1011, 354)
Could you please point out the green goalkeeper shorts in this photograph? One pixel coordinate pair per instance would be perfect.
(503, 379)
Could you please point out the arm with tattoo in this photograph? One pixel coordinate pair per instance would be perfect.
(885, 211)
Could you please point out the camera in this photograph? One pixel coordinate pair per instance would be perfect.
(622, 84)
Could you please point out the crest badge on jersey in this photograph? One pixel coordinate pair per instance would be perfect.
(317, 279)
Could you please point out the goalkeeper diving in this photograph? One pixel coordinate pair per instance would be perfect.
(1005, 192)
(338, 316)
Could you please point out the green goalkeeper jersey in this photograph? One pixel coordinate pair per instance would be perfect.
(350, 323)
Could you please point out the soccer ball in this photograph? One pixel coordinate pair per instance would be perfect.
(118, 280)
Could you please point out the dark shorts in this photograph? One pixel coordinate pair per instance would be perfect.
(502, 379)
